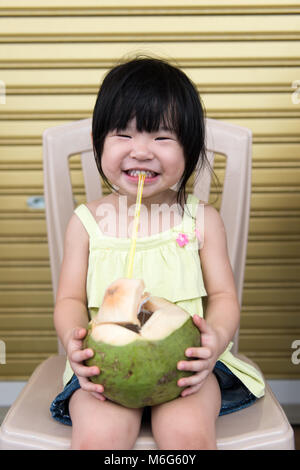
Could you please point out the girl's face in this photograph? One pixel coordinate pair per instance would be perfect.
(158, 153)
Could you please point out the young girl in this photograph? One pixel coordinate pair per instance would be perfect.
(148, 117)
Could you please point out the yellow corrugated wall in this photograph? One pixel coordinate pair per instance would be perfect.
(245, 59)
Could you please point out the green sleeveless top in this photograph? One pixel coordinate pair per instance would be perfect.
(169, 264)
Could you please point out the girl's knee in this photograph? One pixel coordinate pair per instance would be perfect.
(102, 425)
(180, 439)
(184, 430)
(121, 437)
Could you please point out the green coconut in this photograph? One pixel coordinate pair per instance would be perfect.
(138, 340)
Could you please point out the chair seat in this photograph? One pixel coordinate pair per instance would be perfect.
(261, 426)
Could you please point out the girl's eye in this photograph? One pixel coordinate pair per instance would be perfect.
(163, 138)
(124, 135)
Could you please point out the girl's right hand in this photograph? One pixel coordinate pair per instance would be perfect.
(76, 357)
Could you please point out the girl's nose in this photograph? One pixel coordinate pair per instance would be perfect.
(141, 149)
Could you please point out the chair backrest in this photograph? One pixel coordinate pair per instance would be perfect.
(234, 142)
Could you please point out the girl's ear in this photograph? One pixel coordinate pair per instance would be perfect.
(92, 136)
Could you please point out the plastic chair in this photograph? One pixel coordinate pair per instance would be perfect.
(28, 424)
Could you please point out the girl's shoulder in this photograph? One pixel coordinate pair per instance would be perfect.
(76, 227)
(211, 213)
(99, 207)
(75, 232)
(208, 219)
(102, 214)
(94, 206)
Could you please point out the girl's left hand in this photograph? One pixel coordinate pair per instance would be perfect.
(206, 356)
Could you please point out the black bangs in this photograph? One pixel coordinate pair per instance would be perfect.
(147, 94)
(159, 114)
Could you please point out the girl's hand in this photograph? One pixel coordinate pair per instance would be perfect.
(206, 356)
(76, 357)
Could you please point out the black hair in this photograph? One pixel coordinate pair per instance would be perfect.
(155, 93)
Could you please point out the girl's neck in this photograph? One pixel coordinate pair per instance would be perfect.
(157, 213)
(168, 197)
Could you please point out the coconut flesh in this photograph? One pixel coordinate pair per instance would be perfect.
(138, 340)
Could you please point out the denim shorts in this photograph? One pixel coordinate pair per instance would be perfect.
(235, 395)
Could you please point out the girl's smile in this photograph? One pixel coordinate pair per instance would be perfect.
(133, 175)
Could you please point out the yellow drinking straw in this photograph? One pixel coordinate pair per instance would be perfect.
(142, 177)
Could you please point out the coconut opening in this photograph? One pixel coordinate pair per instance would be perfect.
(159, 319)
(143, 317)
(128, 314)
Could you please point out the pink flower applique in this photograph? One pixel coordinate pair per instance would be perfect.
(182, 239)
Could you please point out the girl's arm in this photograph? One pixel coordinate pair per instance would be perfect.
(70, 307)
(222, 311)
(70, 313)
(222, 306)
